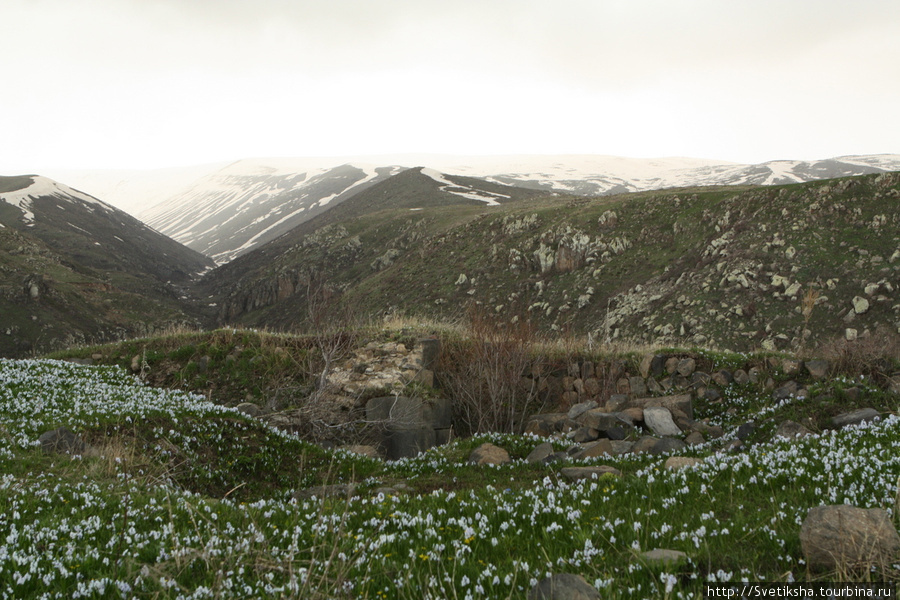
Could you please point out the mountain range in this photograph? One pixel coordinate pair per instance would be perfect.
(223, 211)
(667, 251)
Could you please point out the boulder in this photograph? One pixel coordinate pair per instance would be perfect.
(563, 586)
(840, 537)
(584, 434)
(817, 368)
(680, 402)
(860, 305)
(61, 441)
(249, 409)
(666, 445)
(855, 417)
(540, 453)
(579, 409)
(659, 557)
(576, 473)
(406, 443)
(598, 448)
(660, 422)
(489, 454)
(680, 462)
(791, 430)
(686, 366)
(786, 390)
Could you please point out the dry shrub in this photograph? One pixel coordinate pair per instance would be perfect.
(877, 355)
(486, 374)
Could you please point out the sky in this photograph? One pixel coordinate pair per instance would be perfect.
(147, 84)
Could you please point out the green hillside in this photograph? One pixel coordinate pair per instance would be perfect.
(784, 267)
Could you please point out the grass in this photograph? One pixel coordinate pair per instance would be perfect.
(181, 498)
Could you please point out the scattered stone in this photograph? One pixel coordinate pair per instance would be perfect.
(694, 438)
(745, 431)
(680, 462)
(660, 422)
(791, 430)
(249, 409)
(686, 366)
(62, 441)
(785, 391)
(540, 453)
(841, 537)
(741, 377)
(576, 473)
(817, 368)
(860, 305)
(563, 586)
(855, 417)
(850, 334)
(598, 448)
(659, 557)
(584, 434)
(666, 445)
(645, 444)
(488, 453)
(581, 408)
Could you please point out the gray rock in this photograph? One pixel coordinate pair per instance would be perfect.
(660, 422)
(645, 444)
(680, 462)
(584, 434)
(638, 387)
(540, 453)
(694, 438)
(598, 448)
(855, 417)
(62, 441)
(488, 453)
(785, 391)
(621, 446)
(791, 430)
(817, 368)
(576, 473)
(249, 409)
(563, 586)
(741, 377)
(666, 445)
(581, 408)
(745, 431)
(681, 402)
(659, 557)
(845, 537)
(406, 443)
(686, 366)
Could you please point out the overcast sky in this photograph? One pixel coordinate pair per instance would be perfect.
(157, 83)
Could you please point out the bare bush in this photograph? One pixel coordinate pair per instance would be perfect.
(485, 371)
(876, 355)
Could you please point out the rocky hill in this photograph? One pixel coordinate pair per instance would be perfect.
(739, 267)
(73, 268)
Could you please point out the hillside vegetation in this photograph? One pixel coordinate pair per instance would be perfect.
(780, 268)
(169, 494)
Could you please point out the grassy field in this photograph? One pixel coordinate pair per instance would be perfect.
(179, 497)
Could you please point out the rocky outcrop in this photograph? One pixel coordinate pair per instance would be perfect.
(844, 538)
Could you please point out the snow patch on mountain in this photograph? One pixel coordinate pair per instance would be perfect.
(464, 191)
(41, 187)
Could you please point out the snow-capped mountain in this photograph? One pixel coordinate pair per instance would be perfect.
(229, 209)
(249, 203)
(90, 232)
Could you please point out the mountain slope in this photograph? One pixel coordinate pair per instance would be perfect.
(76, 269)
(247, 204)
(225, 210)
(726, 266)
